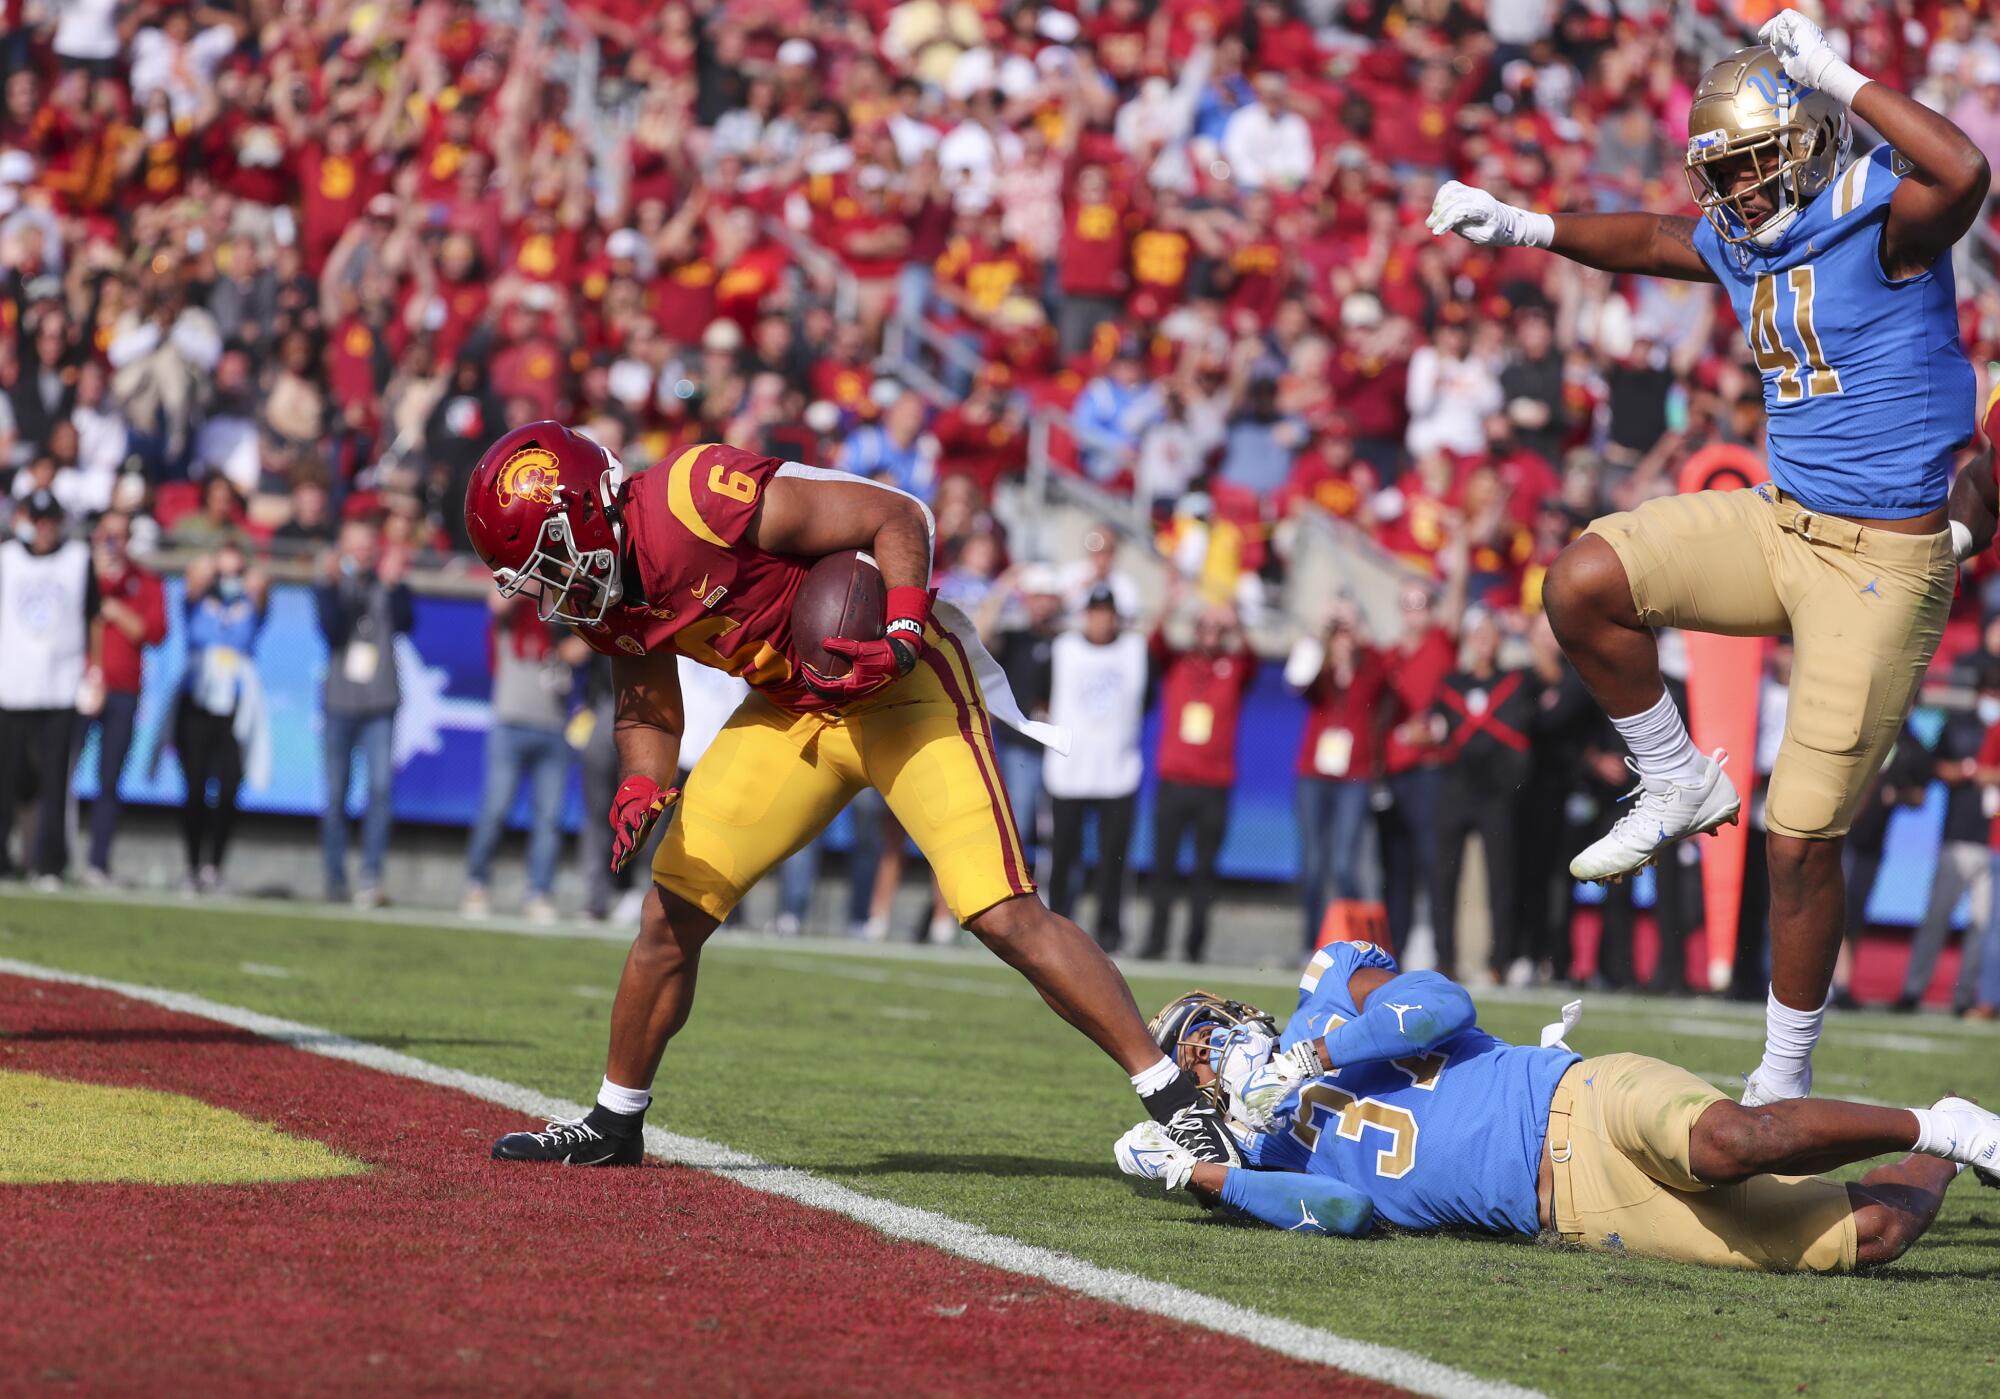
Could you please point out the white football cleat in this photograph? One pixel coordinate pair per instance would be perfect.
(1761, 1089)
(1662, 812)
(1977, 1137)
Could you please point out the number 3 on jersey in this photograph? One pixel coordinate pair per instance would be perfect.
(1774, 355)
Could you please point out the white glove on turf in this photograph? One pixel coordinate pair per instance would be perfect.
(1148, 1153)
(1478, 217)
(1259, 1100)
(1808, 58)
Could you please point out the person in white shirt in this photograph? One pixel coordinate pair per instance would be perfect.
(1452, 391)
(48, 632)
(1267, 145)
(1097, 690)
(173, 58)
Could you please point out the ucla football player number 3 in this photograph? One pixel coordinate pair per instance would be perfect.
(1840, 271)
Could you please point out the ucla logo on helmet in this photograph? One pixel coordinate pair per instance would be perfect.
(632, 644)
(1772, 87)
(530, 475)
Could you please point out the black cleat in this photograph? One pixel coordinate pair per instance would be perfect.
(572, 1143)
(1198, 1129)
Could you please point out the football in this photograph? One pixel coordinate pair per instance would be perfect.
(842, 596)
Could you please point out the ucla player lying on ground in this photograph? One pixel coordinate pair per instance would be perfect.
(1382, 1101)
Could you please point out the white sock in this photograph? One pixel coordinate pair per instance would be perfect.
(622, 1100)
(1789, 1037)
(1937, 1134)
(1150, 1081)
(1948, 1128)
(1659, 742)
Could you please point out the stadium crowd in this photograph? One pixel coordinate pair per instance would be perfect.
(272, 275)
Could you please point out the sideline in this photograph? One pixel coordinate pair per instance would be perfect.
(1897, 1031)
(1301, 1342)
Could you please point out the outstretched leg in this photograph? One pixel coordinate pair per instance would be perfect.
(1805, 1136)
(1072, 973)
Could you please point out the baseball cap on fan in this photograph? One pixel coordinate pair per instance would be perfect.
(42, 505)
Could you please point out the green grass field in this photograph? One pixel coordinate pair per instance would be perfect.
(941, 1081)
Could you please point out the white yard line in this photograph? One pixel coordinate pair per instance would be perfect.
(1365, 1358)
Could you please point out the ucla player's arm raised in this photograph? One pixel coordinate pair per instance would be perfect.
(1656, 245)
(1944, 186)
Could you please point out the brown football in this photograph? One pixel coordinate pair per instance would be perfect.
(842, 596)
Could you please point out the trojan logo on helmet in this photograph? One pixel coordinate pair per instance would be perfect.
(542, 512)
(527, 475)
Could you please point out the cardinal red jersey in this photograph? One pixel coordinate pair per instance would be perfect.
(707, 593)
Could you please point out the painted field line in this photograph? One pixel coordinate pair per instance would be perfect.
(1302, 1342)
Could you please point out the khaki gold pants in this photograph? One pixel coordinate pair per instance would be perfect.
(1864, 608)
(1619, 1127)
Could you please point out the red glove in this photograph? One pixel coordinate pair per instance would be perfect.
(635, 806)
(874, 664)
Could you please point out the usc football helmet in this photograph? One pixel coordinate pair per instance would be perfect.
(542, 512)
(1795, 140)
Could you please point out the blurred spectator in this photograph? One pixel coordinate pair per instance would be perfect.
(1963, 862)
(1112, 415)
(534, 664)
(219, 521)
(1566, 720)
(133, 608)
(1098, 571)
(1903, 782)
(1344, 684)
(1452, 389)
(1201, 704)
(896, 450)
(1480, 724)
(48, 633)
(1020, 622)
(1267, 144)
(1753, 915)
(1417, 661)
(1097, 690)
(220, 727)
(363, 606)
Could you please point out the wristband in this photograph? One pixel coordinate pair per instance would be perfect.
(1537, 230)
(1837, 78)
(905, 612)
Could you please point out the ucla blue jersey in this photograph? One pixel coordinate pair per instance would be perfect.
(1448, 1138)
(1866, 387)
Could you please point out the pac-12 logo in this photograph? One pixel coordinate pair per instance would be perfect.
(530, 474)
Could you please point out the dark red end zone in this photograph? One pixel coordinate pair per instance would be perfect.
(442, 1271)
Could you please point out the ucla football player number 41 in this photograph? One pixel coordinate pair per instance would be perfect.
(1840, 271)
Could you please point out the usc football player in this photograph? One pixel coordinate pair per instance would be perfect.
(1840, 271)
(702, 556)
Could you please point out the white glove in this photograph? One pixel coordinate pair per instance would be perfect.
(1259, 1102)
(1478, 217)
(1808, 58)
(1148, 1153)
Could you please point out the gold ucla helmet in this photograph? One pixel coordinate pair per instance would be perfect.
(1192, 1029)
(1796, 139)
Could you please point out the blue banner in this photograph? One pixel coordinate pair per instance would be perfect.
(445, 670)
